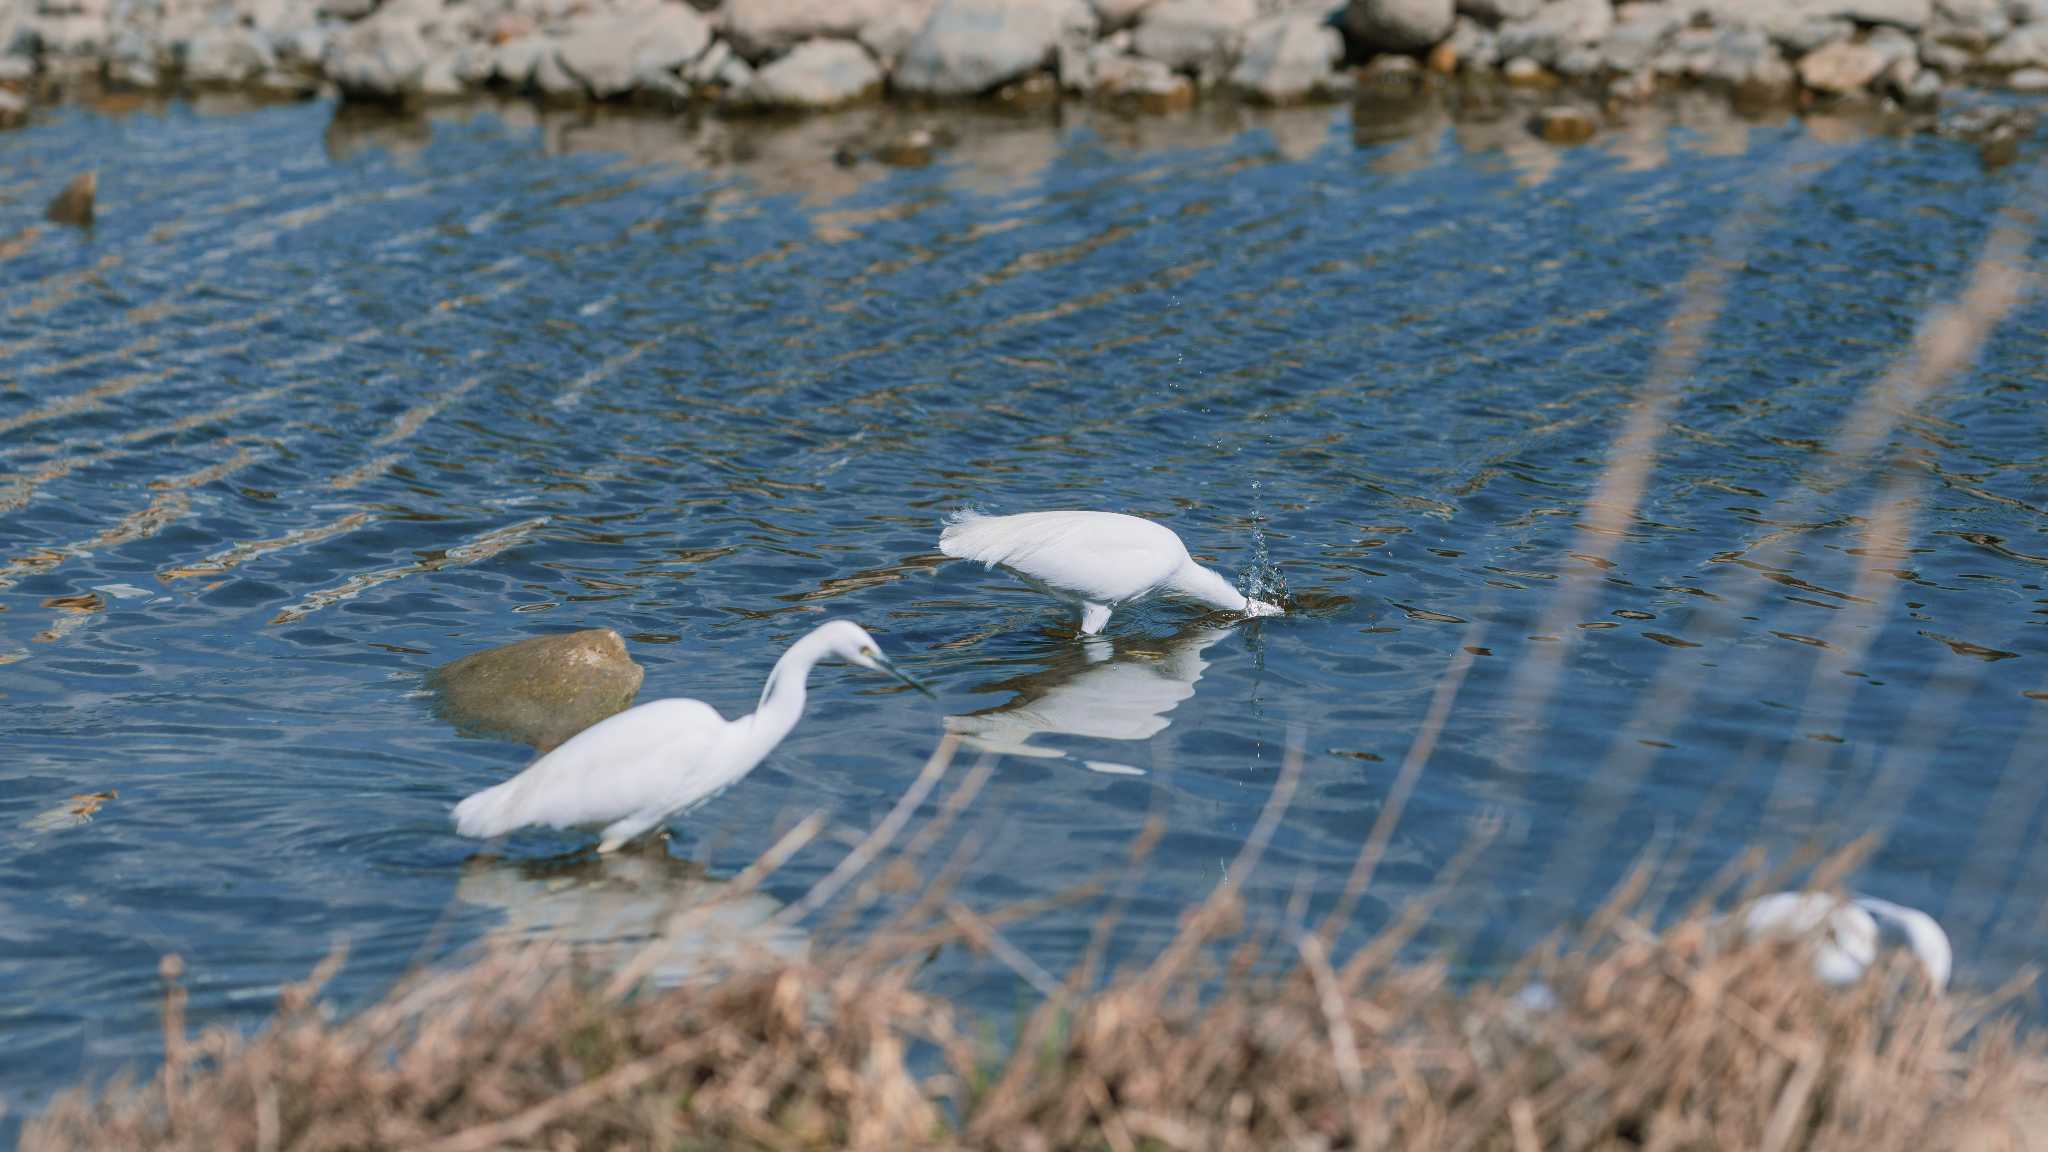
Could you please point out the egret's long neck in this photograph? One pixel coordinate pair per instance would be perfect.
(1198, 583)
(782, 697)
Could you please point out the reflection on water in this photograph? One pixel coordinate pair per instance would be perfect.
(1101, 688)
(639, 906)
(320, 405)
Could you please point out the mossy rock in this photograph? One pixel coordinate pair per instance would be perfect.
(540, 691)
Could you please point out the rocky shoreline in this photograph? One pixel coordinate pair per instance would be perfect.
(1145, 55)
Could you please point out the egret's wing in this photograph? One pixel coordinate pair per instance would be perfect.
(647, 757)
(1102, 557)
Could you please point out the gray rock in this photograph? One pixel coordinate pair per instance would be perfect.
(16, 71)
(1496, 11)
(1894, 44)
(515, 60)
(1474, 44)
(474, 64)
(1400, 25)
(607, 52)
(1924, 92)
(347, 9)
(890, 33)
(540, 691)
(1974, 24)
(13, 109)
(438, 80)
(1556, 29)
(71, 34)
(973, 46)
(1943, 56)
(1142, 82)
(817, 74)
(1113, 14)
(734, 75)
(2028, 80)
(1194, 35)
(306, 44)
(2027, 11)
(2023, 47)
(1287, 57)
(763, 28)
(228, 54)
(1841, 67)
(382, 57)
(1909, 14)
(1736, 56)
(1634, 42)
(1802, 35)
(552, 80)
(704, 69)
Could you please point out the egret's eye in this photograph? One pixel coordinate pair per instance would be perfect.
(870, 653)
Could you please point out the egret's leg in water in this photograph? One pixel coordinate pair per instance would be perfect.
(618, 833)
(1093, 617)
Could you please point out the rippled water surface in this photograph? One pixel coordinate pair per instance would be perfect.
(320, 405)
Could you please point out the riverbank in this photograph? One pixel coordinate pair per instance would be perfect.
(1636, 1039)
(1144, 55)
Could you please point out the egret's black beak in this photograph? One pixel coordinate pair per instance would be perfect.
(889, 666)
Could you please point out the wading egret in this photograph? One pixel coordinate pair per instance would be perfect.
(629, 772)
(1849, 933)
(1092, 560)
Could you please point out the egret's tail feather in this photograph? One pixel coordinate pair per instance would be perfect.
(488, 813)
(969, 536)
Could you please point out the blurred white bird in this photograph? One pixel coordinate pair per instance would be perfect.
(629, 772)
(1092, 560)
(1849, 933)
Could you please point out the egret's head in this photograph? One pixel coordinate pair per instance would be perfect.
(850, 642)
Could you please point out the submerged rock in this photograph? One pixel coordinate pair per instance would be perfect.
(75, 204)
(973, 46)
(817, 74)
(541, 691)
(1564, 124)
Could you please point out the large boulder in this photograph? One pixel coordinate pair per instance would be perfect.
(608, 52)
(761, 28)
(1287, 57)
(539, 691)
(1195, 35)
(1399, 25)
(972, 46)
(817, 74)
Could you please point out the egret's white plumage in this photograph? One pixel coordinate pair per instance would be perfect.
(629, 772)
(1847, 934)
(1093, 560)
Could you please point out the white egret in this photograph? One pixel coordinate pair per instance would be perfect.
(1849, 932)
(1092, 560)
(629, 772)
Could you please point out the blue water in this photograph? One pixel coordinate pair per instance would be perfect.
(319, 405)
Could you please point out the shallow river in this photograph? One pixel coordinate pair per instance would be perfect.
(320, 405)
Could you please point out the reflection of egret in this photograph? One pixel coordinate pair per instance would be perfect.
(1093, 560)
(643, 906)
(1104, 692)
(632, 771)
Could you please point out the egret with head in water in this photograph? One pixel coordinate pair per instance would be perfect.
(1095, 561)
(629, 772)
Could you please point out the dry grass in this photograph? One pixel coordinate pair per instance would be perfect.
(1672, 1040)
